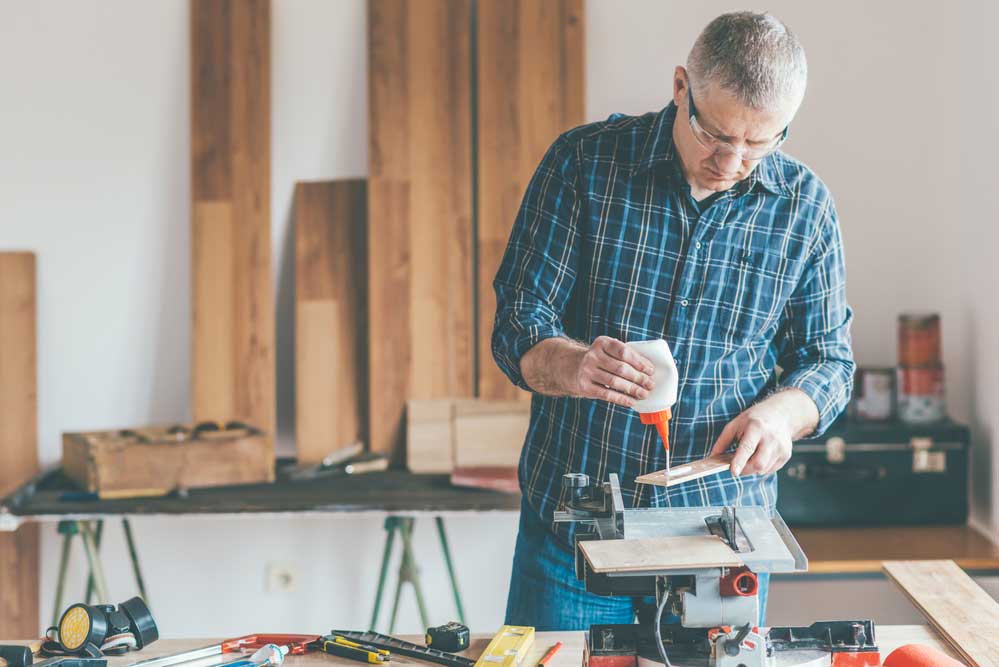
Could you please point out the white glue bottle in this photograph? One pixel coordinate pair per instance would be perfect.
(656, 409)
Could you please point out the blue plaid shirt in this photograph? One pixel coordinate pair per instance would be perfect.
(609, 241)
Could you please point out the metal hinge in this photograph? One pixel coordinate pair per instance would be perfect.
(835, 450)
(925, 461)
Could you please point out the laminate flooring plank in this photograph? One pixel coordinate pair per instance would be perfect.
(530, 90)
(330, 348)
(18, 439)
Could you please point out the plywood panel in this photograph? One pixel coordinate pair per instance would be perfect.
(330, 331)
(420, 214)
(658, 553)
(688, 472)
(530, 90)
(233, 311)
(954, 604)
(18, 439)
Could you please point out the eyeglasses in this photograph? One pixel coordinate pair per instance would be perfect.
(712, 143)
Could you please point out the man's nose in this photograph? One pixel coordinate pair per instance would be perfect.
(728, 162)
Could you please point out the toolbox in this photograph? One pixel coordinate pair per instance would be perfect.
(154, 460)
(866, 473)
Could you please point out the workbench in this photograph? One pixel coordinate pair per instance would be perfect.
(889, 638)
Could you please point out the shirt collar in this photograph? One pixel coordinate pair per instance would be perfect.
(659, 149)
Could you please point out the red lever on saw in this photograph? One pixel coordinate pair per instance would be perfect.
(297, 644)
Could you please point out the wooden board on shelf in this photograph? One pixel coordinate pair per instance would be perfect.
(688, 471)
(233, 372)
(420, 273)
(330, 332)
(658, 553)
(966, 616)
(530, 90)
(18, 439)
(445, 434)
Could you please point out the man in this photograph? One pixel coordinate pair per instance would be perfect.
(687, 225)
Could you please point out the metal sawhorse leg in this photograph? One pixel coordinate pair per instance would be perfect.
(409, 571)
(90, 533)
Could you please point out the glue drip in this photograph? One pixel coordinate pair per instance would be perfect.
(656, 409)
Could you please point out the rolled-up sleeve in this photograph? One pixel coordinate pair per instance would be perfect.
(538, 271)
(817, 357)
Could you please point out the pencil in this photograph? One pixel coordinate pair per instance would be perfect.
(548, 656)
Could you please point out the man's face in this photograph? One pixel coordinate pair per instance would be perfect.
(724, 117)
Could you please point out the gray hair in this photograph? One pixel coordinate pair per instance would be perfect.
(754, 56)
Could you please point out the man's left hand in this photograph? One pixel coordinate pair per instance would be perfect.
(765, 431)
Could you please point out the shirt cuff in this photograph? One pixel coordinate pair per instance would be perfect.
(510, 352)
(829, 395)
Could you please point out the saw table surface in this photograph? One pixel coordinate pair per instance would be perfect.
(890, 637)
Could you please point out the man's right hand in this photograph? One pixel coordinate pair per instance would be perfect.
(607, 370)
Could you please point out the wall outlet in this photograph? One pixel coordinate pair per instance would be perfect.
(282, 577)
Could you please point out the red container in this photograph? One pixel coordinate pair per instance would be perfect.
(919, 339)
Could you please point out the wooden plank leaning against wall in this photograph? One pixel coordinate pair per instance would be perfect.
(420, 273)
(18, 439)
(530, 90)
(233, 308)
(330, 336)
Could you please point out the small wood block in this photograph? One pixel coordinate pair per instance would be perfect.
(658, 553)
(966, 616)
(689, 471)
(429, 436)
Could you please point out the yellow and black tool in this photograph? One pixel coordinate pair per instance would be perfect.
(345, 648)
(449, 637)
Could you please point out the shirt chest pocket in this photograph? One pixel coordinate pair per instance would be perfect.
(750, 288)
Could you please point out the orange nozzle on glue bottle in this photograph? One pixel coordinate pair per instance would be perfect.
(655, 410)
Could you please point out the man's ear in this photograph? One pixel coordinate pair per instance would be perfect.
(680, 83)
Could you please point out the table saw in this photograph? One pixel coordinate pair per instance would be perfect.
(701, 565)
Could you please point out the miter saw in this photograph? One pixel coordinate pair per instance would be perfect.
(701, 565)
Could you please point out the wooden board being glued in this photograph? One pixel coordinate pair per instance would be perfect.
(688, 471)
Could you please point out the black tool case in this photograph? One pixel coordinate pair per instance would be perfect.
(869, 473)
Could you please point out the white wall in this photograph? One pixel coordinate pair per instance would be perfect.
(94, 177)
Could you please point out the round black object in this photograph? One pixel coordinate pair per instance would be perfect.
(16, 656)
(82, 626)
(141, 621)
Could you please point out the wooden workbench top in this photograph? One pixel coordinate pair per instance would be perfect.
(890, 637)
(862, 550)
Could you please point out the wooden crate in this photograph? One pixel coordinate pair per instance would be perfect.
(154, 461)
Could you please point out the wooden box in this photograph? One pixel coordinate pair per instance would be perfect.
(157, 460)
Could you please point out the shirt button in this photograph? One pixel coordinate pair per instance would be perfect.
(698, 245)
(684, 303)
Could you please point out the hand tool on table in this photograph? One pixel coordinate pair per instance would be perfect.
(374, 640)
(450, 637)
(297, 644)
(341, 646)
(508, 647)
(268, 655)
(549, 654)
(21, 656)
